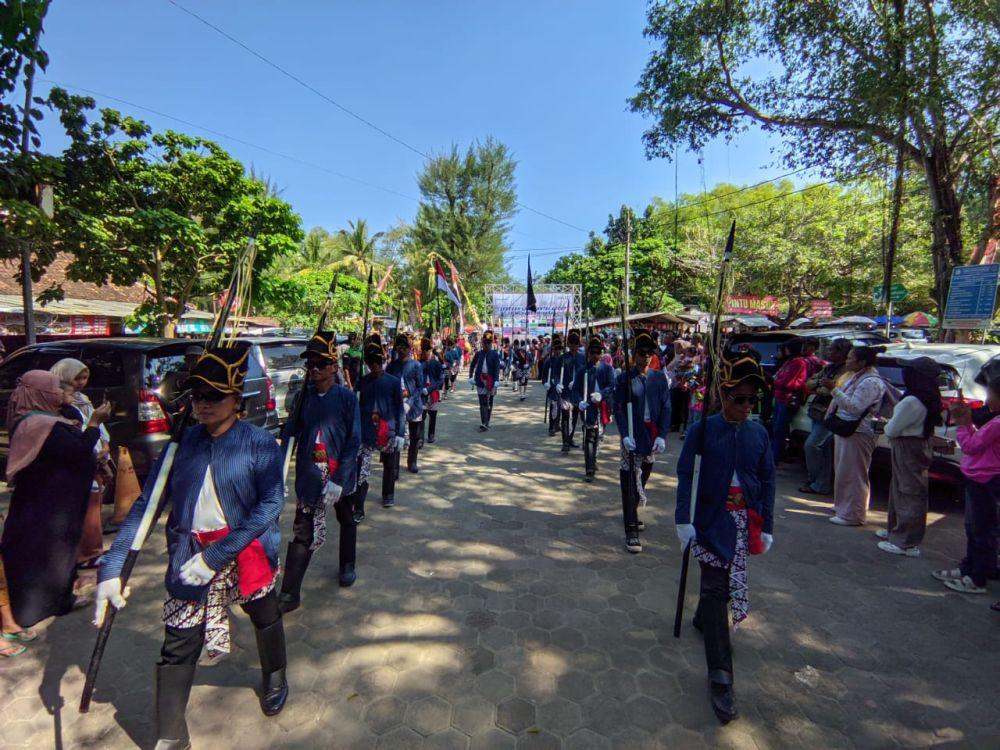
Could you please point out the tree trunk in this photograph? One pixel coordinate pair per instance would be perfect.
(989, 240)
(946, 223)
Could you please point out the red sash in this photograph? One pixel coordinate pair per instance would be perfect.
(435, 397)
(653, 429)
(252, 565)
(382, 433)
(487, 380)
(755, 522)
(605, 413)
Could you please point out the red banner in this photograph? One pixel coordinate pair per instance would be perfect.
(821, 308)
(420, 306)
(751, 304)
(89, 325)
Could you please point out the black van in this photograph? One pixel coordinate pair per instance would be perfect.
(141, 376)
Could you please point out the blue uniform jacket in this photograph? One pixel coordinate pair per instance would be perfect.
(485, 360)
(600, 378)
(522, 359)
(742, 448)
(411, 373)
(650, 395)
(573, 388)
(335, 416)
(382, 395)
(247, 470)
(433, 374)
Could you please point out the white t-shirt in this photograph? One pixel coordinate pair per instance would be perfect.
(208, 515)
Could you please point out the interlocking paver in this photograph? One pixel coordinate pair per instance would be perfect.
(503, 613)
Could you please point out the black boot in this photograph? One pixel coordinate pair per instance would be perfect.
(567, 441)
(296, 562)
(274, 687)
(348, 541)
(411, 455)
(390, 468)
(359, 503)
(423, 424)
(173, 686)
(431, 426)
(644, 473)
(632, 542)
(723, 698)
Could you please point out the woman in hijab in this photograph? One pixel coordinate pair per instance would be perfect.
(909, 431)
(51, 466)
(73, 376)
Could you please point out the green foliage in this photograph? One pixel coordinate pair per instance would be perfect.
(822, 243)
(835, 80)
(464, 214)
(165, 209)
(296, 301)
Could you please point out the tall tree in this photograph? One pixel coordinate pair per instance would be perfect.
(837, 78)
(467, 202)
(165, 209)
(356, 248)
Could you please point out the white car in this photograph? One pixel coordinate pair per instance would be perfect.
(960, 365)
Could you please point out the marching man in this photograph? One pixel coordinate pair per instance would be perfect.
(327, 439)
(569, 390)
(597, 385)
(411, 374)
(484, 371)
(435, 378)
(226, 493)
(733, 515)
(551, 376)
(643, 438)
(522, 361)
(383, 425)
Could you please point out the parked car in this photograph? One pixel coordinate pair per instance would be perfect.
(912, 335)
(141, 376)
(960, 364)
(767, 344)
(284, 365)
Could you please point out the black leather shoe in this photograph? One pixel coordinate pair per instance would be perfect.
(347, 575)
(288, 603)
(723, 702)
(632, 542)
(274, 692)
(388, 501)
(483, 428)
(358, 517)
(412, 469)
(430, 438)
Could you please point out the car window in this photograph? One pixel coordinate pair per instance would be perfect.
(18, 364)
(948, 380)
(163, 374)
(283, 356)
(254, 368)
(768, 350)
(106, 368)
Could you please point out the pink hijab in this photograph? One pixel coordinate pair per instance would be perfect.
(35, 403)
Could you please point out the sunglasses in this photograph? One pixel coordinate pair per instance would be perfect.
(212, 397)
(744, 400)
(318, 364)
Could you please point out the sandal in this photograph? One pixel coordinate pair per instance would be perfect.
(9, 652)
(807, 490)
(21, 636)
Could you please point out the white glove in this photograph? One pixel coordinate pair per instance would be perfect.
(109, 591)
(596, 397)
(768, 540)
(195, 572)
(472, 383)
(400, 442)
(659, 445)
(331, 493)
(423, 391)
(629, 443)
(559, 388)
(582, 405)
(686, 533)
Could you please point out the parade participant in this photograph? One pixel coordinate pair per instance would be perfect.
(51, 466)
(327, 439)
(226, 493)
(551, 376)
(597, 383)
(434, 380)
(483, 373)
(644, 438)
(443, 355)
(351, 360)
(522, 361)
(411, 374)
(504, 359)
(383, 426)
(456, 361)
(733, 516)
(569, 389)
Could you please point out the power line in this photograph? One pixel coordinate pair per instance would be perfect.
(233, 138)
(346, 110)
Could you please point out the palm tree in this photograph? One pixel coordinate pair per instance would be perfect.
(357, 248)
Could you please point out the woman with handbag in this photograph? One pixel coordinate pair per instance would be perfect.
(850, 420)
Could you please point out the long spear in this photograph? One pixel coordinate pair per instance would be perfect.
(157, 497)
(709, 376)
(289, 444)
(364, 325)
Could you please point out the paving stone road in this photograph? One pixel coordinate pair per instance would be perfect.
(497, 608)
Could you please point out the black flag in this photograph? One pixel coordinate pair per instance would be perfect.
(532, 304)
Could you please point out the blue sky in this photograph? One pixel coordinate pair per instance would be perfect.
(549, 79)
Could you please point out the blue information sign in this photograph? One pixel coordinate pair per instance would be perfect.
(972, 296)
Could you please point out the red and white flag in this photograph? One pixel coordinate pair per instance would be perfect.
(442, 283)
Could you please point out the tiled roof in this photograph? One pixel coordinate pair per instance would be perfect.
(77, 290)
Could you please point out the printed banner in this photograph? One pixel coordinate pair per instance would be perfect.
(751, 304)
(821, 308)
(514, 305)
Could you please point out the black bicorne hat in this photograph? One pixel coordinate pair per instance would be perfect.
(740, 368)
(322, 345)
(557, 342)
(573, 338)
(488, 337)
(643, 342)
(426, 344)
(374, 352)
(402, 341)
(222, 369)
(595, 345)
